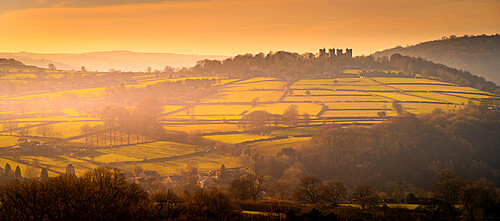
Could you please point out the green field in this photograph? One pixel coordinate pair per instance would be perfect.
(141, 152)
(265, 85)
(359, 105)
(204, 128)
(279, 108)
(215, 110)
(7, 141)
(356, 113)
(401, 97)
(335, 98)
(204, 163)
(397, 80)
(235, 138)
(351, 100)
(270, 148)
(244, 96)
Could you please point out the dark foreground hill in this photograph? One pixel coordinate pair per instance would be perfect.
(478, 54)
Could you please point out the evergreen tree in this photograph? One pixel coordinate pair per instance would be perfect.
(17, 172)
(70, 170)
(44, 175)
(7, 169)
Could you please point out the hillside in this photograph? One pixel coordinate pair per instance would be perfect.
(478, 54)
(103, 61)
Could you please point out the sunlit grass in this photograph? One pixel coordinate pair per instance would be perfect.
(204, 163)
(442, 97)
(356, 113)
(244, 96)
(141, 152)
(203, 128)
(336, 98)
(389, 80)
(280, 108)
(401, 97)
(271, 148)
(236, 138)
(359, 105)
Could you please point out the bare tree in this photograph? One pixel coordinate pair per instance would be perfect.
(310, 190)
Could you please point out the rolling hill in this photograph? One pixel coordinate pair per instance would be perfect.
(478, 54)
(103, 61)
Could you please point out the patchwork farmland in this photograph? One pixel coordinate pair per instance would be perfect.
(213, 118)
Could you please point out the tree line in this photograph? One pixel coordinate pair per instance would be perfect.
(105, 194)
(406, 148)
(288, 65)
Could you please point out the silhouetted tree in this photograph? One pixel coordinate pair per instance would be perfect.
(44, 174)
(446, 187)
(17, 172)
(70, 170)
(310, 190)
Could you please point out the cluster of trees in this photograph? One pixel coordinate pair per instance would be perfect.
(171, 92)
(412, 66)
(287, 65)
(105, 194)
(263, 122)
(45, 130)
(283, 64)
(121, 125)
(405, 148)
(477, 54)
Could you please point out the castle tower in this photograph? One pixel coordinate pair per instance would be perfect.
(322, 52)
(339, 52)
(331, 52)
(348, 52)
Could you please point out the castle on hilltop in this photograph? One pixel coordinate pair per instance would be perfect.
(333, 53)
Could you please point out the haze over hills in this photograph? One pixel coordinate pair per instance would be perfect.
(103, 61)
(478, 54)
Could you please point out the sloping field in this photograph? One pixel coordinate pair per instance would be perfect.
(170, 108)
(244, 96)
(303, 92)
(338, 81)
(271, 148)
(428, 108)
(141, 152)
(483, 95)
(56, 162)
(264, 85)
(203, 128)
(81, 93)
(398, 80)
(402, 97)
(279, 108)
(335, 98)
(204, 163)
(7, 141)
(355, 113)
(435, 88)
(442, 97)
(235, 138)
(215, 109)
(256, 79)
(359, 105)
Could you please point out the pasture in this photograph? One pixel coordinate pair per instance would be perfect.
(236, 138)
(344, 100)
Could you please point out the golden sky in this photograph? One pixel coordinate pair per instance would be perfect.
(229, 27)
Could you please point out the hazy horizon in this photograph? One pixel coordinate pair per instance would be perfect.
(221, 27)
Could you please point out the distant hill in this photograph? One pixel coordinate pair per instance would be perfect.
(103, 61)
(478, 54)
(7, 64)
